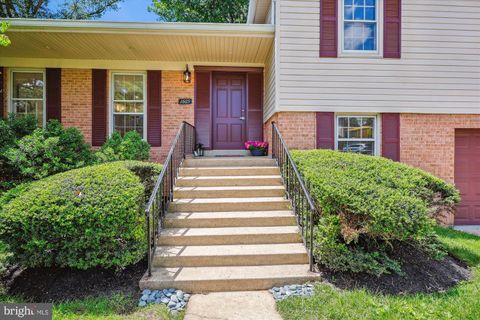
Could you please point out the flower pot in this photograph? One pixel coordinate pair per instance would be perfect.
(257, 152)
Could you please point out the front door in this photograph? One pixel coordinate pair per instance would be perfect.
(229, 111)
(467, 175)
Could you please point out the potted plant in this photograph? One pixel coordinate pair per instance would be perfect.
(257, 148)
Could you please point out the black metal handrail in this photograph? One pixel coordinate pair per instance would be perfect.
(303, 206)
(162, 194)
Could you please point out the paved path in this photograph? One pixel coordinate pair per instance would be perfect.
(469, 229)
(249, 305)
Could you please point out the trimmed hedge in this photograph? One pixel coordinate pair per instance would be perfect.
(371, 207)
(83, 218)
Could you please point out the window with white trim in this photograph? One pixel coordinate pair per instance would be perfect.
(360, 24)
(28, 94)
(128, 102)
(357, 134)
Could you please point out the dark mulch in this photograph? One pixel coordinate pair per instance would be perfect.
(59, 284)
(421, 274)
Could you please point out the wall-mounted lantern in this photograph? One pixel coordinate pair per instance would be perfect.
(199, 150)
(187, 75)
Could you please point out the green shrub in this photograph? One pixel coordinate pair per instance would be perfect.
(129, 147)
(11, 129)
(82, 218)
(49, 151)
(371, 205)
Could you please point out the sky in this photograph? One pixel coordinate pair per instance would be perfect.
(129, 10)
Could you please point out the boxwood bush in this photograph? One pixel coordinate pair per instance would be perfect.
(371, 208)
(82, 218)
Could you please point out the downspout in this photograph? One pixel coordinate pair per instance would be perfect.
(252, 6)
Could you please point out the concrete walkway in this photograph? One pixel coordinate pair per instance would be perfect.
(246, 305)
(469, 229)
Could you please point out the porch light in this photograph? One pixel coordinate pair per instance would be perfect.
(187, 75)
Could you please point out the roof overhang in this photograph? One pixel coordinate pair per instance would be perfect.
(146, 43)
(258, 10)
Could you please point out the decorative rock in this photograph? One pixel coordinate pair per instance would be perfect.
(144, 297)
(174, 298)
(293, 290)
(171, 290)
(180, 295)
(158, 301)
(142, 303)
(186, 297)
(171, 304)
(165, 300)
(146, 292)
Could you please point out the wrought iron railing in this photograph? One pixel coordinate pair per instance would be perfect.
(162, 194)
(297, 192)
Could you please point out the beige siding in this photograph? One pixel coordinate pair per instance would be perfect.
(269, 105)
(439, 71)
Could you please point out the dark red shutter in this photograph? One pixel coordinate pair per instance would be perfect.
(328, 28)
(255, 106)
(392, 29)
(325, 130)
(154, 108)
(3, 112)
(202, 107)
(391, 136)
(54, 93)
(99, 106)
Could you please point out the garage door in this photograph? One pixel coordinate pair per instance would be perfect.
(467, 175)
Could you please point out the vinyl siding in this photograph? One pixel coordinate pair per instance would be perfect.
(269, 105)
(439, 71)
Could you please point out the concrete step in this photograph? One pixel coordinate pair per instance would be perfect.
(230, 162)
(227, 153)
(228, 192)
(229, 181)
(238, 278)
(229, 171)
(230, 255)
(228, 235)
(229, 219)
(229, 204)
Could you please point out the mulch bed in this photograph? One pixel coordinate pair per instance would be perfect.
(421, 274)
(59, 284)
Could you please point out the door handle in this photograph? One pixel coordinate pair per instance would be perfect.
(242, 118)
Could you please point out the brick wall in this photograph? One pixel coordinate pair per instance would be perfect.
(77, 100)
(427, 141)
(297, 128)
(173, 114)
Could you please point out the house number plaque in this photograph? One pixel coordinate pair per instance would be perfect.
(185, 101)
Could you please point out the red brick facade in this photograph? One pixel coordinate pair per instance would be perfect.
(427, 141)
(77, 100)
(173, 114)
(297, 128)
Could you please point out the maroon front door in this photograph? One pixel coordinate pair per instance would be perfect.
(229, 111)
(467, 175)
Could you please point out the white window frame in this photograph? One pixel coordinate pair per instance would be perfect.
(376, 133)
(112, 100)
(11, 99)
(361, 53)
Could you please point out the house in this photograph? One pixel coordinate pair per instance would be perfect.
(400, 79)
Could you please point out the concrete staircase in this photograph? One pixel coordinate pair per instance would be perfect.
(229, 228)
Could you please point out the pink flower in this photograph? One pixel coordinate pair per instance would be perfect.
(252, 145)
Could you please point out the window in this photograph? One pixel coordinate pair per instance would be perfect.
(28, 94)
(357, 134)
(129, 103)
(360, 23)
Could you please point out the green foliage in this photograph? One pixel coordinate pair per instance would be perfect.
(460, 302)
(81, 218)
(49, 151)
(129, 147)
(225, 11)
(11, 129)
(369, 204)
(4, 40)
(67, 9)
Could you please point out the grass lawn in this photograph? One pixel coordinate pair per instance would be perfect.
(461, 302)
(115, 307)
